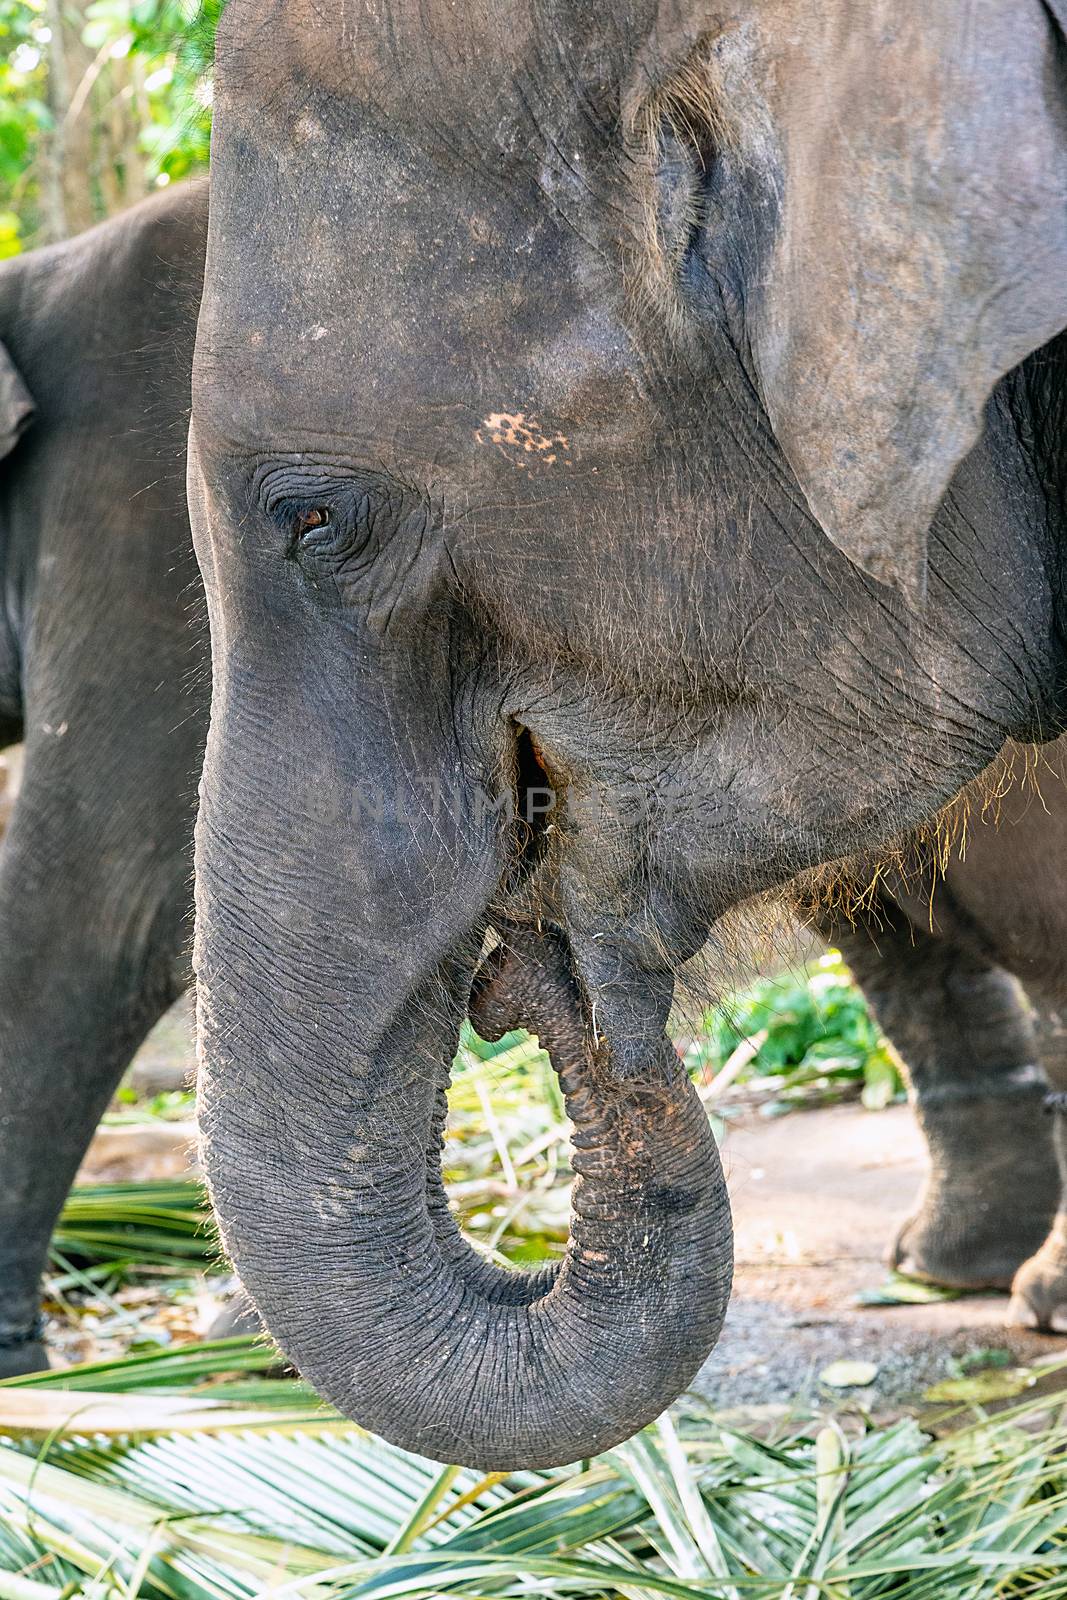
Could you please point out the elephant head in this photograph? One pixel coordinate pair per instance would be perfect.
(541, 349)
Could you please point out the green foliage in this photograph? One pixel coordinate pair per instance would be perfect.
(150, 1224)
(169, 1105)
(149, 60)
(10, 235)
(24, 115)
(174, 39)
(182, 1368)
(811, 1030)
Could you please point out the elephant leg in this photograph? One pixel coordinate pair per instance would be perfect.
(966, 1035)
(1039, 1292)
(91, 928)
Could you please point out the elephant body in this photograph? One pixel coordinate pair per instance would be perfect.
(103, 675)
(940, 945)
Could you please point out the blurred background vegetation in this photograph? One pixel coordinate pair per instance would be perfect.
(101, 101)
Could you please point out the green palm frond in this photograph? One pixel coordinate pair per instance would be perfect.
(305, 1506)
(159, 1223)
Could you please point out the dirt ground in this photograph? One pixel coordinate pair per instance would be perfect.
(817, 1196)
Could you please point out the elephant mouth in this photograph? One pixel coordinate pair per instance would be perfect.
(394, 1317)
(528, 981)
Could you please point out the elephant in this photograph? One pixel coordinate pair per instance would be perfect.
(117, 308)
(940, 939)
(103, 675)
(625, 472)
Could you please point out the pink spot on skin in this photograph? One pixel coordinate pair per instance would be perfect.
(519, 435)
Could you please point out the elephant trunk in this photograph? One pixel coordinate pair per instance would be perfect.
(331, 1203)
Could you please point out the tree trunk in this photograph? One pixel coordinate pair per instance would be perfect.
(67, 181)
(122, 113)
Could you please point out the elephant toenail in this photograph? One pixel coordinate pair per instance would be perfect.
(1058, 1320)
(1021, 1313)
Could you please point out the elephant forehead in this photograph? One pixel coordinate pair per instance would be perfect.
(508, 430)
(479, 339)
(417, 58)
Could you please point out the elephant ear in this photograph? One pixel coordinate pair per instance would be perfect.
(920, 252)
(16, 404)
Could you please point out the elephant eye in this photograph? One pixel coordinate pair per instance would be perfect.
(307, 520)
(314, 517)
(329, 522)
(338, 538)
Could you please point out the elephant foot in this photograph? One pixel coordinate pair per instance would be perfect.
(19, 1358)
(979, 1218)
(942, 1244)
(1039, 1292)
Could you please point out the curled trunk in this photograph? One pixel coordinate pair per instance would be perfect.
(370, 1288)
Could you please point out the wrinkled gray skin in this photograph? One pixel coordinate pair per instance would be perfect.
(729, 322)
(103, 673)
(116, 421)
(101, 448)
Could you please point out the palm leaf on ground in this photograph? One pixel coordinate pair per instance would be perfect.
(310, 1508)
